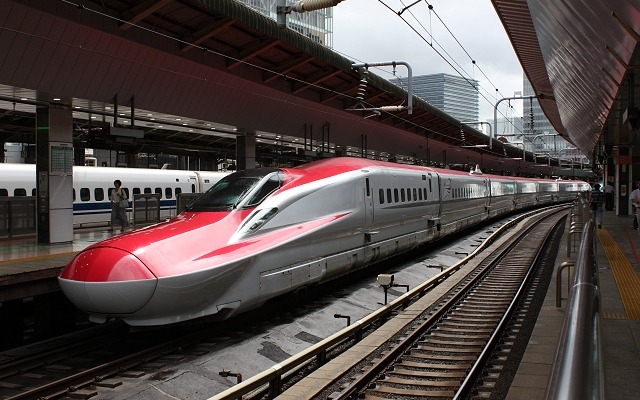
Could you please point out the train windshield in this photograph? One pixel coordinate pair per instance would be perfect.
(234, 189)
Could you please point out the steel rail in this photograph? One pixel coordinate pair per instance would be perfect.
(476, 369)
(363, 380)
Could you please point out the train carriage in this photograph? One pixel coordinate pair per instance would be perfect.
(264, 232)
(503, 195)
(92, 187)
(526, 193)
(465, 199)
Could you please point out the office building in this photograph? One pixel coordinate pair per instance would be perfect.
(316, 25)
(452, 94)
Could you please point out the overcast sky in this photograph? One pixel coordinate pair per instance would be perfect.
(368, 31)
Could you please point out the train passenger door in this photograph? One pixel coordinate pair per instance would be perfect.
(371, 251)
(368, 204)
(487, 194)
(194, 185)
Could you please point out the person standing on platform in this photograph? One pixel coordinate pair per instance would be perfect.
(608, 197)
(635, 203)
(596, 200)
(119, 204)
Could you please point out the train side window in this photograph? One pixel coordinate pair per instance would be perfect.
(126, 192)
(74, 195)
(136, 191)
(425, 191)
(4, 192)
(368, 187)
(389, 196)
(158, 191)
(402, 195)
(415, 195)
(420, 194)
(19, 192)
(381, 195)
(98, 194)
(178, 191)
(33, 191)
(85, 194)
(396, 198)
(168, 193)
(147, 190)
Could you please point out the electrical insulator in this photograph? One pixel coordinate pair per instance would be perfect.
(391, 108)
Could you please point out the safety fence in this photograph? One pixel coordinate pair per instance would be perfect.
(17, 216)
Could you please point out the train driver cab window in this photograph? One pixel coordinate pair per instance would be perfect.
(85, 194)
(98, 194)
(4, 192)
(232, 190)
(271, 185)
(168, 193)
(19, 192)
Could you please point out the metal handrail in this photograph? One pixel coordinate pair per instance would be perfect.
(577, 371)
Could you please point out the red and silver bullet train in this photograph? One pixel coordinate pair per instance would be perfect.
(259, 233)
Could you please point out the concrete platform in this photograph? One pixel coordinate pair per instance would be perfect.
(618, 269)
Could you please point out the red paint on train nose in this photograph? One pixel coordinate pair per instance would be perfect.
(107, 281)
(106, 264)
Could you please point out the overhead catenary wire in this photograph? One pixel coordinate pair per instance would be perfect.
(450, 60)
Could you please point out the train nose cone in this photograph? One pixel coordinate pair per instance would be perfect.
(107, 280)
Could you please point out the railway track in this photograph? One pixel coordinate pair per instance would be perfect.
(75, 365)
(445, 354)
(79, 367)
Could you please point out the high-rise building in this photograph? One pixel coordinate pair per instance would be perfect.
(316, 25)
(452, 94)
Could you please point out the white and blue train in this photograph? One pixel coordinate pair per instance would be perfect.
(92, 187)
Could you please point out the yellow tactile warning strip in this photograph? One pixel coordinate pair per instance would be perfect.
(612, 315)
(626, 277)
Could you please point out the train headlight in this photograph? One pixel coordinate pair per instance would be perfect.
(257, 220)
